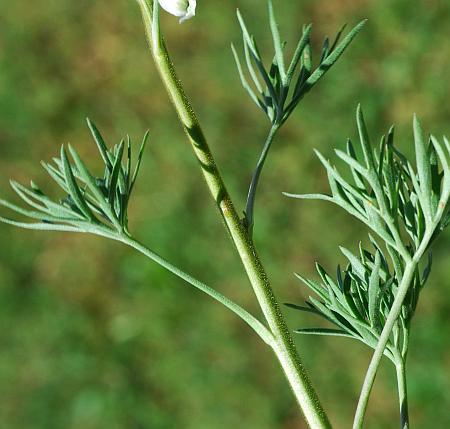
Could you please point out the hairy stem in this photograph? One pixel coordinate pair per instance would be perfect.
(283, 347)
(250, 206)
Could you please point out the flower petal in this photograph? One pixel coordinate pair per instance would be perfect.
(184, 9)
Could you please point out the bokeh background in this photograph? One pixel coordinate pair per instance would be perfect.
(92, 335)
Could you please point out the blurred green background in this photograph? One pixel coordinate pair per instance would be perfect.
(95, 336)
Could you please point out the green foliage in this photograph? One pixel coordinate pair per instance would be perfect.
(358, 302)
(83, 341)
(374, 300)
(279, 89)
(92, 203)
(98, 205)
(388, 195)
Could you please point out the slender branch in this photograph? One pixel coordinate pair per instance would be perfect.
(254, 323)
(408, 276)
(283, 347)
(250, 206)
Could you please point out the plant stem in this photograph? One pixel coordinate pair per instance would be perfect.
(402, 394)
(283, 346)
(408, 275)
(250, 206)
(254, 323)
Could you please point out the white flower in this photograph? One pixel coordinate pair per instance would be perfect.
(185, 9)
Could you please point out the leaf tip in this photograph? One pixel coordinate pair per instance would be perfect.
(359, 111)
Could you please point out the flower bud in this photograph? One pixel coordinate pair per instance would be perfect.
(184, 9)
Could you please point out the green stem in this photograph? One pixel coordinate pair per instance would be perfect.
(254, 323)
(402, 394)
(283, 346)
(250, 206)
(408, 276)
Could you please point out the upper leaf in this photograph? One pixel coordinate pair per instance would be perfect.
(394, 199)
(91, 202)
(277, 90)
